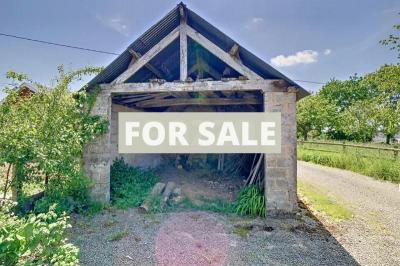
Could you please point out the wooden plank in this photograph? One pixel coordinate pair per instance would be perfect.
(270, 85)
(221, 54)
(197, 101)
(148, 97)
(142, 61)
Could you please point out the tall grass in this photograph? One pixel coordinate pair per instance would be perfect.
(385, 169)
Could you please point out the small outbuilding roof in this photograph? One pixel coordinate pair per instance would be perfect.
(27, 86)
(167, 24)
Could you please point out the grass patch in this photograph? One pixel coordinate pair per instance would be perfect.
(118, 236)
(384, 169)
(319, 201)
(242, 231)
(130, 185)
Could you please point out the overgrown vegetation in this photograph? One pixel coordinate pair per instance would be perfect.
(41, 143)
(35, 239)
(42, 137)
(130, 185)
(318, 200)
(251, 201)
(384, 169)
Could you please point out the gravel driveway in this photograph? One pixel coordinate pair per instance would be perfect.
(202, 238)
(372, 237)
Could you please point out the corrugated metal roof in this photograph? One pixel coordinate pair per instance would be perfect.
(161, 29)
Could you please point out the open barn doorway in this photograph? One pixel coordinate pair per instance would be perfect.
(200, 178)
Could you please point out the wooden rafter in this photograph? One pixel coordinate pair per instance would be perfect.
(136, 56)
(197, 101)
(221, 54)
(142, 61)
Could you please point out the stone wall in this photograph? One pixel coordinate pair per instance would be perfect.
(281, 169)
(96, 155)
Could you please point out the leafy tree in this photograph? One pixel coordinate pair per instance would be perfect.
(314, 113)
(48, 130)
(386, 80)
(345, 93)
(358, 122)
(393, 41)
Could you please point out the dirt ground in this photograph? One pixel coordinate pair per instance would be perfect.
(202, 183)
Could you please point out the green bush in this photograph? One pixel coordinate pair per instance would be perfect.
(35, 239)
(130, 185)
(69, 194)
(385, 169)
(251, 201)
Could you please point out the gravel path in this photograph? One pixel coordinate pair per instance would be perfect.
(373, 236)
(202, 238)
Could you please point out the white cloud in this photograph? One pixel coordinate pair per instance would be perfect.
(257, 20)
(254, 23)
(115, 23)
(301, 57)
(327, 51)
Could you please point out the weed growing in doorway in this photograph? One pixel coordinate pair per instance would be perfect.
(251, 201)
(130, 185)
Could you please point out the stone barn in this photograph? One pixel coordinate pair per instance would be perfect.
(182, 64)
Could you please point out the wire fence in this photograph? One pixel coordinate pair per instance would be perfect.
(364, 150)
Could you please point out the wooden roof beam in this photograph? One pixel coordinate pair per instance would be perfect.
(183, 44)
(221, 54)
(197, 101)
(142, 61)
(155, 71)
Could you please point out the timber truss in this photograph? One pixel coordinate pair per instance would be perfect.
(183, 32)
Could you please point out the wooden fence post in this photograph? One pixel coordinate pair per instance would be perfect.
(396, 152)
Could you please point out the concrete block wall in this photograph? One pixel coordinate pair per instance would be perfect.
(281, 169)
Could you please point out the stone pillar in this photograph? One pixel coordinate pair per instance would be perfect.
(96, 154)
(281, 169)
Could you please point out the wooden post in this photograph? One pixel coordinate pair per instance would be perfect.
(396, 152)
(344, 147)
(183, 45)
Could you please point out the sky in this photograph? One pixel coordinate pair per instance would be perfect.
(310, 40)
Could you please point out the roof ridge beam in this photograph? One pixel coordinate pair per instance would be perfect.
(142, 61)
